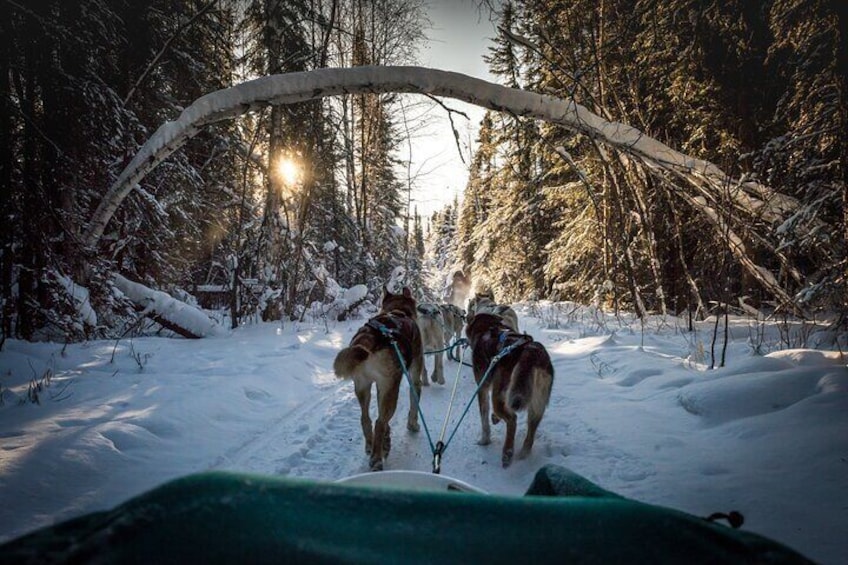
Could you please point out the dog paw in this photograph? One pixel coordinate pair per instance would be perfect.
(484, 441)
(506, 458)
(495, 419)
(412, 426)
(376, 465)
(523, 454)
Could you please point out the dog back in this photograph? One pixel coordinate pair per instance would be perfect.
(528, 366)
(488, 334)
(398, 317)
(484, 304)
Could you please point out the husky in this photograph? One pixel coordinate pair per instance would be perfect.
(521, 380)
(485, 303)
(454, 317)
(432, 326)
(457, 289)
(372, 359)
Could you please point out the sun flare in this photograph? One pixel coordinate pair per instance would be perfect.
(289, 170)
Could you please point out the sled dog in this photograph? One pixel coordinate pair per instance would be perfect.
(432, 326)
(454, 317)
(521, 380)
(458, 288)
(372, 359)
(485, 303)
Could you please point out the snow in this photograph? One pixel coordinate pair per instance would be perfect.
(85, 312)
(635, 411)
(355, 294)
(161, 304)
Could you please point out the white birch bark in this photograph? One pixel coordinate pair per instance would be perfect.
(299, 87)
(709, 182)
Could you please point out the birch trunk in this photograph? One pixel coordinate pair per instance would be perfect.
(707, 182)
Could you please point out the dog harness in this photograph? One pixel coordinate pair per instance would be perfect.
(502, 337)
(392, 332)
(438, 449)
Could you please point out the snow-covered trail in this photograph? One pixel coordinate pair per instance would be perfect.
(633, 412)
(321, 438)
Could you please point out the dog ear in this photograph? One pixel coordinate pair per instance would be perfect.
(407, 293)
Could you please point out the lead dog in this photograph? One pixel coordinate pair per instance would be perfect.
(485, 303)
(432, 326)
(372, 359)
(521, 380)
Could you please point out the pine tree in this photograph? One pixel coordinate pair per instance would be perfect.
(804, 154)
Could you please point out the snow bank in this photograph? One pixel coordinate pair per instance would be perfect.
(765, 435)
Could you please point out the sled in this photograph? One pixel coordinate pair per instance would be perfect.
(238, 518)
(410, 481)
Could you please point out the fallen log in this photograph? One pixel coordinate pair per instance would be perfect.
(183, 319)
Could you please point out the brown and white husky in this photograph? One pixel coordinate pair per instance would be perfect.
(521, 380)
(372, 359)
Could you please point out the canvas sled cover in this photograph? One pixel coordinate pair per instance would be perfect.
(236, 518)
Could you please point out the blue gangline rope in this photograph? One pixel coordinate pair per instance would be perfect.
(440, 447)
(501, 354)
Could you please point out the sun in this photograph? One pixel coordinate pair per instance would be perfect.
(289, 170)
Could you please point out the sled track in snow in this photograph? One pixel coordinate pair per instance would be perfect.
(257, 454)
(329, 446)
(322, 439)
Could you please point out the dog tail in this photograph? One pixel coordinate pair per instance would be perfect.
(530, 383)
(348, 360)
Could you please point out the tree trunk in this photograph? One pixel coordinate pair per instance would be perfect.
(7, 209)
(842, 92)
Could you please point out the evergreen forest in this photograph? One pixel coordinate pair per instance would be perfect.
(272, 215)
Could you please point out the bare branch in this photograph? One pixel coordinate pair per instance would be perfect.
(450, 112)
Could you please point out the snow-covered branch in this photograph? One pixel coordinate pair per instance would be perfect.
(177, 316)
(299, 87)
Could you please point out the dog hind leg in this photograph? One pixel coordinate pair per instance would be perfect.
(363, 395)
(415, 370)
(387, 397)
(438, 370)
(532, 423)
(424, 380)
(483, 403)
(499, 407)
(542, 384)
